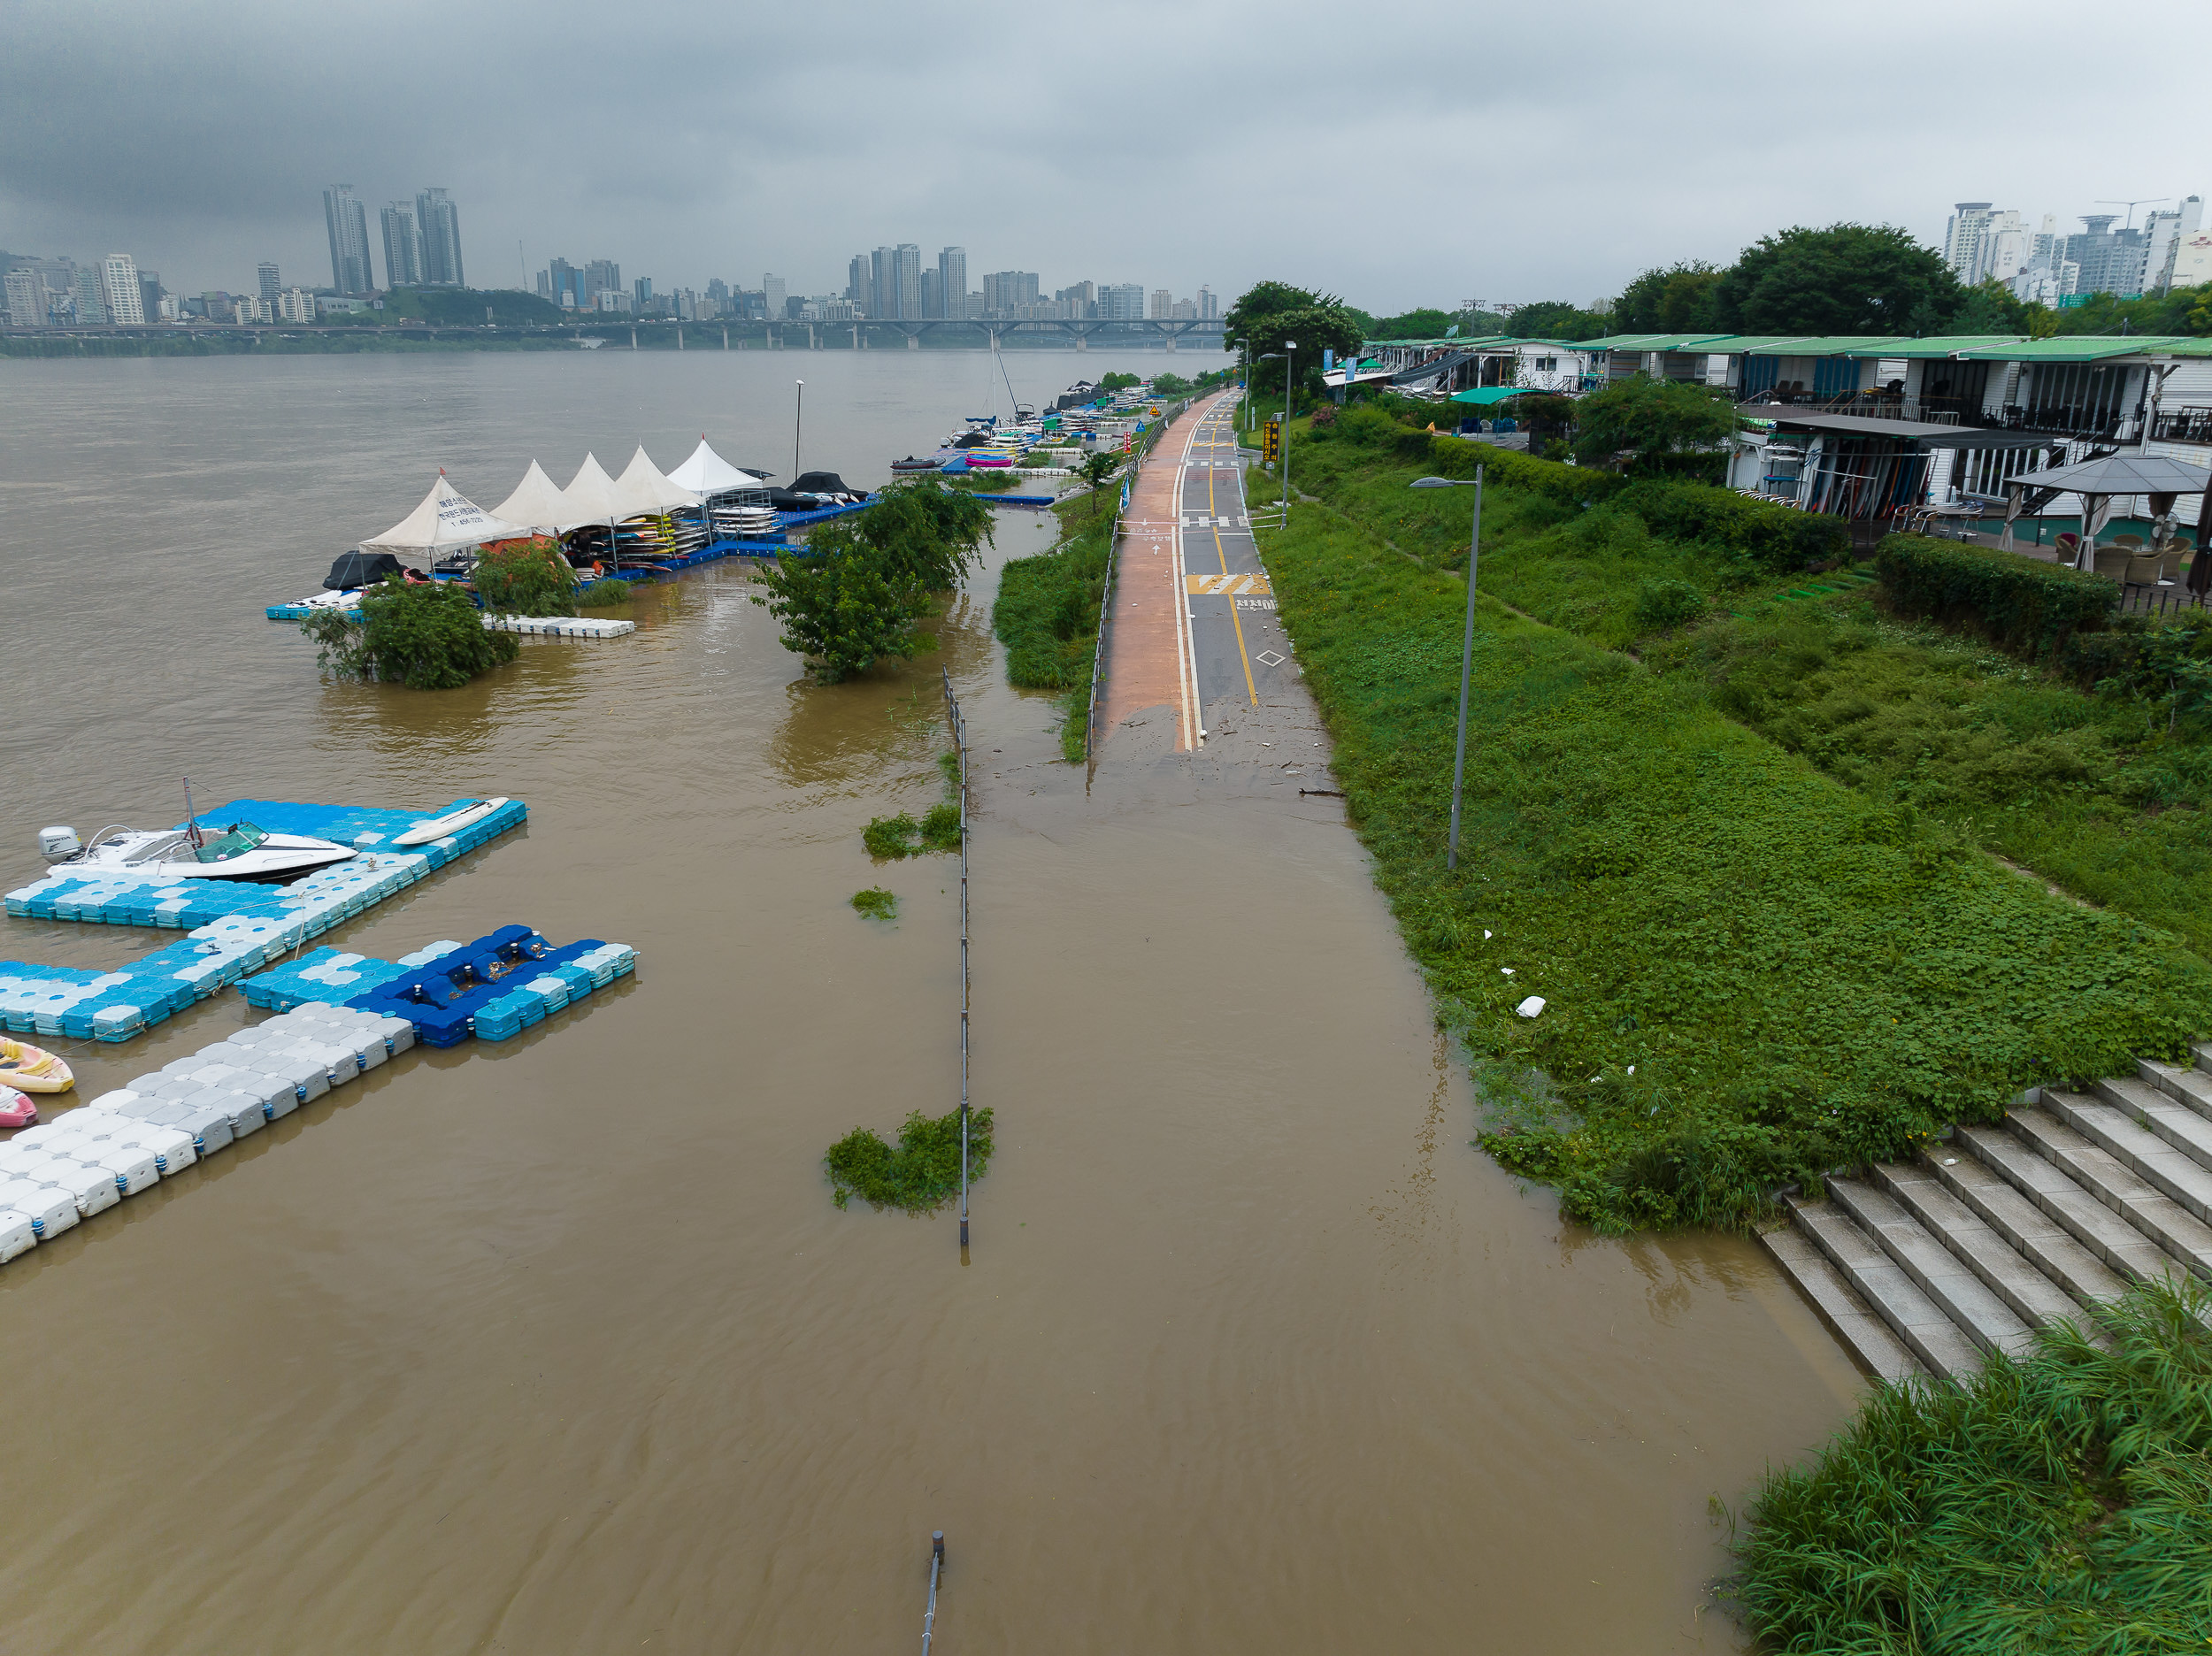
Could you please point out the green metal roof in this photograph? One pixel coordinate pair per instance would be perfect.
(2184, 348)
(1487, 394)
(1646, 342)
(1423, 344)
(2073, 348)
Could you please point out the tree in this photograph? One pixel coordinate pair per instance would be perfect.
(1988, 308)
(1119, 382)
(1556, 318)
(526, 578)
(1675, 300)
(1094, 471)
(1273, 312)
(924, 532)
(1651, 419)
(1423, 324)
(840, 606)
(1848, 278)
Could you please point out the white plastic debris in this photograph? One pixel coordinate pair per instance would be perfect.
(1530, 1007)
(1485, 934)
(1508, 970)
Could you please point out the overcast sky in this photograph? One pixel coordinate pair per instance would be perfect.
(1423, 152)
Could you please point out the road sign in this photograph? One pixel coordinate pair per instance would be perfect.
(1272, 440)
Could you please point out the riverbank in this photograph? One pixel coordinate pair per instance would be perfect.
(1750, 971)
(1047, 611)
(613, 333)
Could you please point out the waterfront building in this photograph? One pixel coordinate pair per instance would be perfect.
(1162, 302)
(1209, 306)
(171, 307)
(952, 281)
(348, 221)
(1121, 301)
(438, 230)
(294, 305)
(641, 293)
(860, 288)
(773, 295)
(933, 292)
(27, 299)
(402, 255)
(599, 275)
(561, 283)
(247, 308)
(271, 284)
(92, 311)
(149, 294)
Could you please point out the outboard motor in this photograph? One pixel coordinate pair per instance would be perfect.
(59, 844)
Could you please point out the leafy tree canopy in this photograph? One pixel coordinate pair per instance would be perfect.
(1650, 419)
(1988, 308)
(2184, 311)
(1273, 312)
(1847, 279)
(1675, 300)
(1556, 318)
(1119, 382)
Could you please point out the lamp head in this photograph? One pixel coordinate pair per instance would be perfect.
(1434, 482)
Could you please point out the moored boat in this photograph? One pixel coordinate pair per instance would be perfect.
(33, 1068)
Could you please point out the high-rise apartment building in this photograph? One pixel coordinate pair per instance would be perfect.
(952, 281)
(438, 231)
(1121, 301)
(1209, 306)
(895, 276)
(271, 283)
(773, 292)
(403, 253)
(86, 289)
(118, 290)
(27, 299)
(294, 305)
(2164, 234)
(1006, 291)
(1963, 238)
(561, 283)
(350, 270)
(860, 286)
(1162, 302)
(599, 275)
(149, 294)
(2111, 260)
(933, 292)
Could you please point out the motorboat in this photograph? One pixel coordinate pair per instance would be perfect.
(32, 1069)
(912, 464)
(464, 814)
(240, 852)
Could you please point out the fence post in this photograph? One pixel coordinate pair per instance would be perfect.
(960, 748)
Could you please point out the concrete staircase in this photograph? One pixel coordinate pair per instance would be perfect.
(1923, 1266)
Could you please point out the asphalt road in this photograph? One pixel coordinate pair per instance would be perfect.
(1239, 655)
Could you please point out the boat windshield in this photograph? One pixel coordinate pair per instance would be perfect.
(242, 837)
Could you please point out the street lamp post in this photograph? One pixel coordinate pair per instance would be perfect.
(1284, 357)
(1466, 649)
(1244, 373)
(798, 416)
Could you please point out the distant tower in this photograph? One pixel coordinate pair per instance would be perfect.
(438, 225)
(271, 284)
(119, 291)
(351, 271)
(402, 251)
(952, 280)
(773, 295)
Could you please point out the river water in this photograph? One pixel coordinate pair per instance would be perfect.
(560, 1345)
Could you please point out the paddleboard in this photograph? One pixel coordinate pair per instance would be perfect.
(452, 821)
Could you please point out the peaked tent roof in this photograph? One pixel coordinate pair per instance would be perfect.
(447, 521)
(589, 497)
(706, 472)
(642, 488)
(2120, 474)
(537, 501)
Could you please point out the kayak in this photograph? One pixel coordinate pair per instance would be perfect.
(16, 1110)
(33, 1068)
(463, 816)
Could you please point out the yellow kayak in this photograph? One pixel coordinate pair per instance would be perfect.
(33, 1068)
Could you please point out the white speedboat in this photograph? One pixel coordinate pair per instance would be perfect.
(464, 814)
(240, 852)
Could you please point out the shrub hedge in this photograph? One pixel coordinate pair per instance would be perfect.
(2023, 605)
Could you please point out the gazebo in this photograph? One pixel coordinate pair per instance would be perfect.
(2101, 484)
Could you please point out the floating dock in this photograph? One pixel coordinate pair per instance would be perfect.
(57, 1174)
(236, 927)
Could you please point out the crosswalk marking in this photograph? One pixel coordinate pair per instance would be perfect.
(1216, 586)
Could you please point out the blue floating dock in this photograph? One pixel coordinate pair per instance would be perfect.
(236, 927)
(86, 1160)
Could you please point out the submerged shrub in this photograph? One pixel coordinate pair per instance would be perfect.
(424, 635)
(526, 578)
(876, 903)
(923, 1173)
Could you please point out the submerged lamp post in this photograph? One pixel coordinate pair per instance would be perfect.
(1466, 648)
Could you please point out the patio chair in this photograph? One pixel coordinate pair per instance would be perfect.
(2069, 546)
(2170, 559)
(2111, 561)
(2142, 569)
(2132, 542)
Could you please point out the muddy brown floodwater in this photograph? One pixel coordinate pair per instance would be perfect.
(560, 1345)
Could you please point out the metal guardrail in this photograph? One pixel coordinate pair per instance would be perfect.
(960, 747)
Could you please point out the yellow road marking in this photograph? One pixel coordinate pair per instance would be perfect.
(1226, 585)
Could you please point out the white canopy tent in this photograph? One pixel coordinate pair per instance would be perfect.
(537, 501)
(641, 490)
(447, 521)
(590, 496)
(706, 472)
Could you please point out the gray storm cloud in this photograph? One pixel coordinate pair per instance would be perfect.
(1416, 154)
